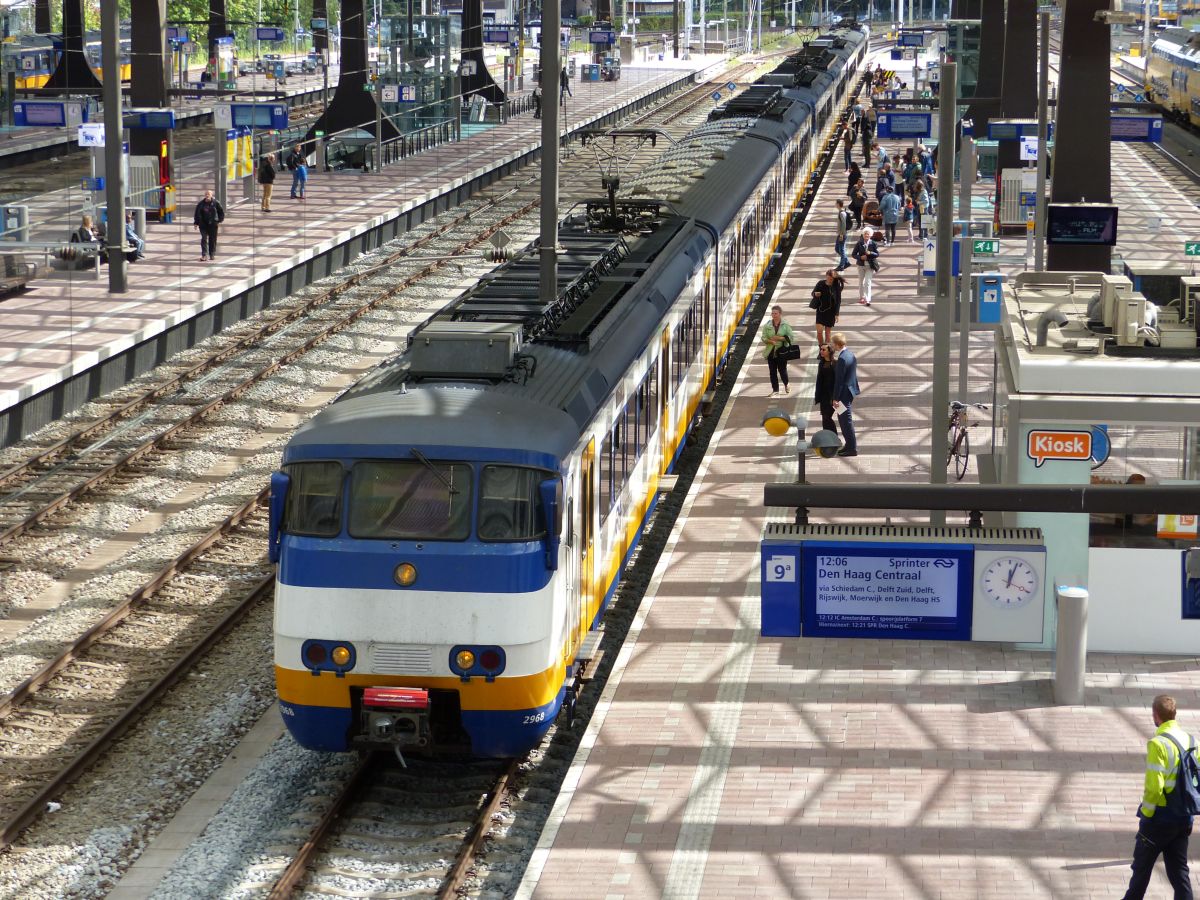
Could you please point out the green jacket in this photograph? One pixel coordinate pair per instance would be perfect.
(1162, 767)
(768, 330)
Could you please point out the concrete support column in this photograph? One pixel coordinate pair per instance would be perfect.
(41, 16)
(1018, 92)
(1082, 167)
(150, 71)
(351, 106)
(217, 26)
(320, 10)
(73, 71)
(991, 66)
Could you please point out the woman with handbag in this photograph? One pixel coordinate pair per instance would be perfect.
(823, 389)
(780, 347)
(866, 255)
(827, 301)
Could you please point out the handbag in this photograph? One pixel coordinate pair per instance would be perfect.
(787, 352)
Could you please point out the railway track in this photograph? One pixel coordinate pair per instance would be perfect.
(67, 712)
(391, 832)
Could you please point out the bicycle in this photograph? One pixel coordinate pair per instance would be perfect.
(958, 440)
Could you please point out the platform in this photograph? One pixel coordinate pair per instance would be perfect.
(298, 90)
(723, 764)
(67, 339)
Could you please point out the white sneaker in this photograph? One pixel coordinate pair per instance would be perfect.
(787, 389)
(773, 395)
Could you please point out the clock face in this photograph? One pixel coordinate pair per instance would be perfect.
(1009, 582)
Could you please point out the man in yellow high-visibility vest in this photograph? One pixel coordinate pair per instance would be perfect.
(1160, 828)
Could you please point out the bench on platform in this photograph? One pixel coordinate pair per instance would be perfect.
(73, 255)
(15, 273)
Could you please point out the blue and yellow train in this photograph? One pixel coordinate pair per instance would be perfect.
(450, 531)
(34, 57)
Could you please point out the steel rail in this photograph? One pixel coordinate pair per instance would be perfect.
(36, 805)
(478, 833)
(287, 883)
(165, 575)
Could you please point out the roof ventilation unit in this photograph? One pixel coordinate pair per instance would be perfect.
(463, 350)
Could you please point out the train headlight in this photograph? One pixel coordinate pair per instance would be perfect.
(406, 574)
(320, 656)
(477, 661)
(315, 654)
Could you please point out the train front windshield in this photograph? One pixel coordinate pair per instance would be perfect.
(417, 499)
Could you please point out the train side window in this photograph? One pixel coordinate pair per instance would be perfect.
(510, 506)
(314, 501)
(606, 473)
(569, 522)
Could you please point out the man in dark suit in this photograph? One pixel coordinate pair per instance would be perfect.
(845, 389)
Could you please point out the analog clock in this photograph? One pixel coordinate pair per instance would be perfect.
(1009, 582)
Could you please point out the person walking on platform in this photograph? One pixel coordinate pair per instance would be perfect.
(298, 163)
(865, 136)
(266, 178)
(858, 199)
(852, 177)
(564, 87)
(889, 206)
(827, 301)
(776, 335)
(537, 101)
(843, 226)
(207, 218)
(848, 148)
(845, 389)
(866, 257)
(1164, 825)
(823, 390)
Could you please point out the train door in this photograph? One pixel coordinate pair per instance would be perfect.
(665, 392)
(572, 573)
(586, 544)
(707, 318)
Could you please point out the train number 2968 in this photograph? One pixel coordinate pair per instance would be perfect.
(534, 718)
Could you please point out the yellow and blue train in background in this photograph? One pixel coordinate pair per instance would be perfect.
(450, 530)
(35, 56)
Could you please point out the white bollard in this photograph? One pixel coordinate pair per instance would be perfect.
(1070, 655)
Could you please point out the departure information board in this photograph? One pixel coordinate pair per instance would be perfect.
(1081, 223)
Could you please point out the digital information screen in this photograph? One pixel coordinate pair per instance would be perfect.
(900, 125)
(1136, 128)
(259, 115)
(43, 113)
(1081, 223)
(913, 591)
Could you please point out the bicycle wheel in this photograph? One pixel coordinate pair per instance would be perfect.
(962, 454)
(951, 437)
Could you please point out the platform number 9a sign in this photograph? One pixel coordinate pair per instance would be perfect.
(781, 568)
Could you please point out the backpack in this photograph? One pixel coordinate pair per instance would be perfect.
(1184, 801)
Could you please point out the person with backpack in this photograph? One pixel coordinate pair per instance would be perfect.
(1170, 798)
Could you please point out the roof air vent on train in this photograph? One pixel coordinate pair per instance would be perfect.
(463, 350)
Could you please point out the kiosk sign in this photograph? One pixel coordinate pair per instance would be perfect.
(915, 591)
(1063, 445)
